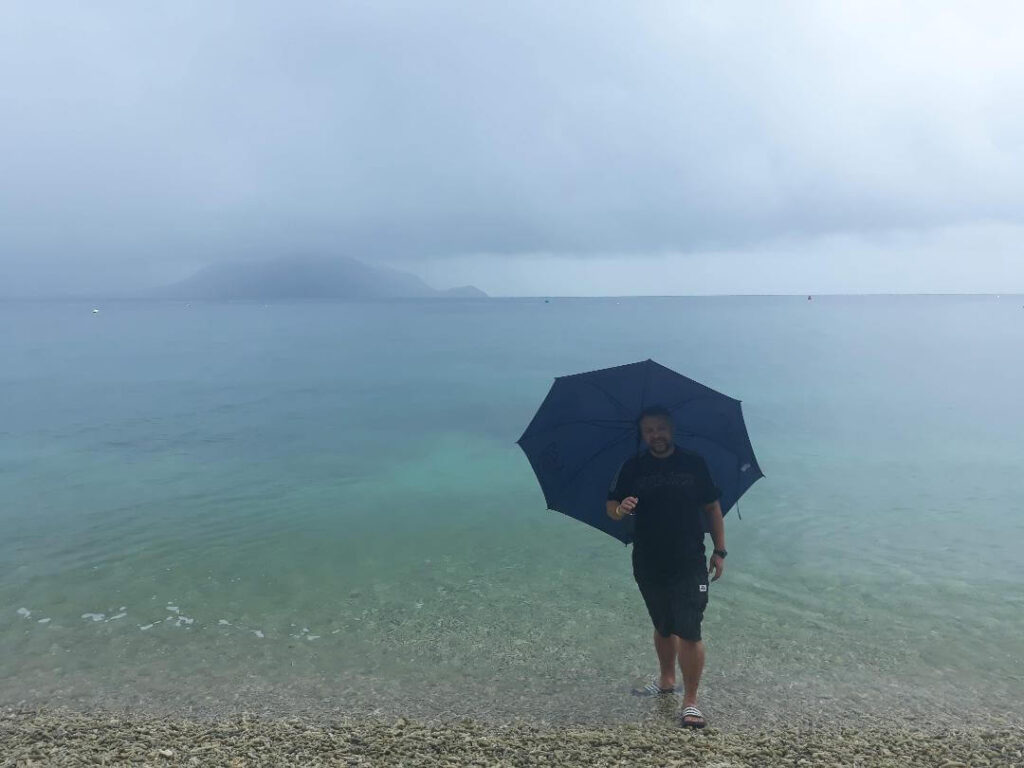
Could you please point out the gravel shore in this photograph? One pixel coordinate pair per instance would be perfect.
(43, 737)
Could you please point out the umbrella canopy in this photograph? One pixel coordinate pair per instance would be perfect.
(586, 427)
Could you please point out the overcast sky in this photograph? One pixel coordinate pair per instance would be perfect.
(526, 147)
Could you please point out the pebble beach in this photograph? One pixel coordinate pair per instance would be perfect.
(55, 737)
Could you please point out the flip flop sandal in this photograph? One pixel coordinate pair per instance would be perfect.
(693, 712)
(653, 689)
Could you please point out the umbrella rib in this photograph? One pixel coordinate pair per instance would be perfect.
(731, 451)
(611, 397)
(647, 381)
(593, 456)
(711, 396)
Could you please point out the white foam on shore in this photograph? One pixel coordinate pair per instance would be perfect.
(44, 621)
(173, 608)
(94, 616)
(312, 637)
(25, 612)
(149, 626)
(118, 616)
(224, 622)
(257, 633)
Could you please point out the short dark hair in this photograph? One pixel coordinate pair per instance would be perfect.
(659, 411)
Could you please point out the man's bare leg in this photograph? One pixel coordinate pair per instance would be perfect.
(691, 662)
(668, 650)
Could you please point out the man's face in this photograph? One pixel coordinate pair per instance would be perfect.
(656, 432)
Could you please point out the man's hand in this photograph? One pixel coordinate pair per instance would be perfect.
(628, 505)
(717, 565)
(618, 510)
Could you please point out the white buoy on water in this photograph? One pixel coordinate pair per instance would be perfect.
(95, 311)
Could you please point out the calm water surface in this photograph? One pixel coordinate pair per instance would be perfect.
(320, 507)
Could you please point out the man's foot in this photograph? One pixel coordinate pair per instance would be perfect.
(693, 718)
(655, 687)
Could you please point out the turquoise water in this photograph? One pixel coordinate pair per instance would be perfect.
(320, 507)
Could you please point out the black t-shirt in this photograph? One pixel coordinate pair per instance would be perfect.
(669, 517)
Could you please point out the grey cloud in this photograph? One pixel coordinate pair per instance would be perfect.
(188, 132)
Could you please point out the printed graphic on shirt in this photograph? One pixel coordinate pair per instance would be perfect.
(664, 480)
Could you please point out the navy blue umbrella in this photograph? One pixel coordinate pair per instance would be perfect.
(586, 427)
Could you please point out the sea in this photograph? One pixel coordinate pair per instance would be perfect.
(319, 508)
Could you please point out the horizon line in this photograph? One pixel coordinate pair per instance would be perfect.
(100, 297)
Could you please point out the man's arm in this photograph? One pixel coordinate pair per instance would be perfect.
(611, 507)
(714, 513)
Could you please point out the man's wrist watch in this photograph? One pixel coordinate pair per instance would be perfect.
(721, 553)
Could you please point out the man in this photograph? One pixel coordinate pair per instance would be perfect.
(669, 491)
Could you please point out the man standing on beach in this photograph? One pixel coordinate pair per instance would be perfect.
(670, 490)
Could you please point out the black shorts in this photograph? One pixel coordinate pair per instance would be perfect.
(676, 603)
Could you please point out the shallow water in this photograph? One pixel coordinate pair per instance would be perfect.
(321, 505)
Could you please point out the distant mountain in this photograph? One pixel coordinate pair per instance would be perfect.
(464, 292)
(306, 277)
